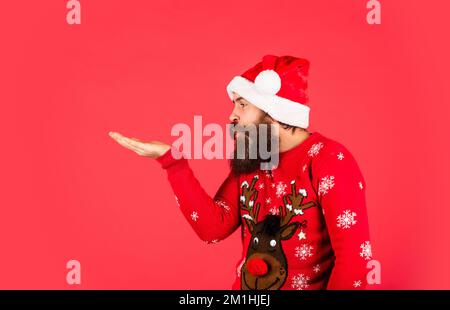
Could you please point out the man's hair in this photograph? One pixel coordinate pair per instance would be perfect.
(286, 126)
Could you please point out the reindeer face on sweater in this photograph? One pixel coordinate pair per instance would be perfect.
(265, 267)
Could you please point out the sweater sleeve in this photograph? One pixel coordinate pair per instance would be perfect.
(212, 218)
(341, 194)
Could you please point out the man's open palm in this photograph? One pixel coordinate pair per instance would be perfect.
(152, 149)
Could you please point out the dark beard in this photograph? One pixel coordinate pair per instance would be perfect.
(247, 165)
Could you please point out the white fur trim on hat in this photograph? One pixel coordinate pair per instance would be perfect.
(264, 97)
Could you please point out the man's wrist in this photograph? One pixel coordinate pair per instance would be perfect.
(170, 157)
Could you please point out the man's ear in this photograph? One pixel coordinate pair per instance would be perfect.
(288, 231)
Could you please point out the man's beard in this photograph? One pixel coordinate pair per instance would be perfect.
(252, 163)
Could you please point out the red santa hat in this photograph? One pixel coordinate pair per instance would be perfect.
(276, 85)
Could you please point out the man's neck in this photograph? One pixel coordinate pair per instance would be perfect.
(289, 140)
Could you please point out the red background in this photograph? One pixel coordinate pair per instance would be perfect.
(138, 67)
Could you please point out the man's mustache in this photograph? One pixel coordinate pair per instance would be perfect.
(234, 129)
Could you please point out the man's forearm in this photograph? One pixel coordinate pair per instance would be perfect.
(212, 218)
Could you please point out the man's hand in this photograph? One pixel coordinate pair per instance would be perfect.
(152, 149)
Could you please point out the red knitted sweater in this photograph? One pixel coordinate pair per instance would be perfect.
(303, 225)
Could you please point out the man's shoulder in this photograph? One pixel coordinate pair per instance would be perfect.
(330, 144)
(330, 149)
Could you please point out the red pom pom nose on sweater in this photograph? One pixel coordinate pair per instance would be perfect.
(257, 267)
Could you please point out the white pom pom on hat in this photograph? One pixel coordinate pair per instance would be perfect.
(268, 82)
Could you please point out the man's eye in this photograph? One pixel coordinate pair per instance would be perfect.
(242, 105)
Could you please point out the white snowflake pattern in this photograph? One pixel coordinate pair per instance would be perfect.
(357, 283)
(301, 235)
(366, 250)
(274, 211)
(315, 149)
(316, 268)
(268, 201)
(346, 219)
(214, 241)
(360, 185)
(304, 167)
(304, 251)
(176, 199)
(261, 186)
(326, 184)
(281, 189)
(222, 204)
(300, 282)
(340, 156)
(194, 216)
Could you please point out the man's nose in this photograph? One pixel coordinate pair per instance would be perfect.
(233, 118)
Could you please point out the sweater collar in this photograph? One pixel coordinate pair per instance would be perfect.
(299, 150)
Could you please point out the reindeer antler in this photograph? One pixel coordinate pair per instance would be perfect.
(248, 204)
(296, 206)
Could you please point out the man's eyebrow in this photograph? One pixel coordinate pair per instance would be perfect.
(237, 99)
